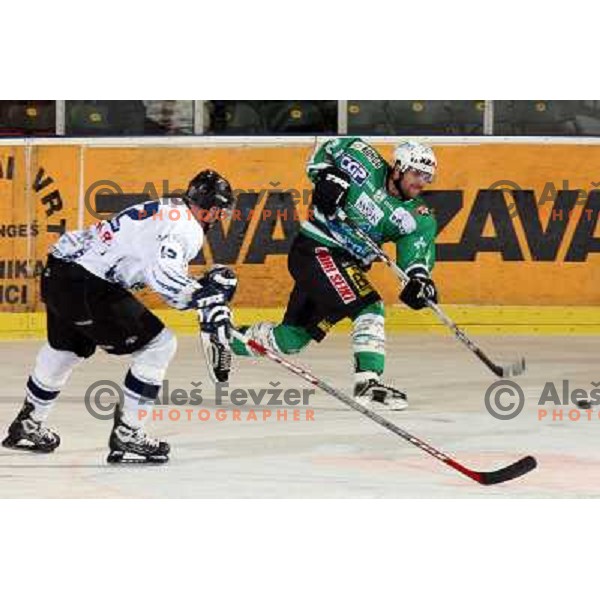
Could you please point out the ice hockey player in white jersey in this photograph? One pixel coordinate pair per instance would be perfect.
(86, 286)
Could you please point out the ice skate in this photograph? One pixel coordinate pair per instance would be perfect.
(132, 445)
(373, 394)
(26, 433)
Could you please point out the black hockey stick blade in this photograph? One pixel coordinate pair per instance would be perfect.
(504, 371)
(514, 369)
(517, 469)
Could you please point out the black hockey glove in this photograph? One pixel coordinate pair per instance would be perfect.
(217, 289)
(220, 279)
(419, 290)
(331, 190)
(216, 320)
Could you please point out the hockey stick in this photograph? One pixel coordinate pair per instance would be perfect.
(517, 469)
(506, 370)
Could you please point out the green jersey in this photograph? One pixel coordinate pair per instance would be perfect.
(409, 224)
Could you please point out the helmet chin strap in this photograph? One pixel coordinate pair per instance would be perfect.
(398, 186)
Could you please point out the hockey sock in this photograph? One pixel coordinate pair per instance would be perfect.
(368, 341)
(50, 374)
(138, 399)
(291, 339)
(144, 378)
(238, 347)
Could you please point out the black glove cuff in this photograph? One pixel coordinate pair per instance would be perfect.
(418, 271)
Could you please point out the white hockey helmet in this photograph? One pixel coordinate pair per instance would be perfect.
(412, 155)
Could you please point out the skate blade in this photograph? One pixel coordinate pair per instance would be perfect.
(118, 457)
(395, 405)
(23, 446)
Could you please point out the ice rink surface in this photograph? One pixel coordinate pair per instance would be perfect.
(339, 454)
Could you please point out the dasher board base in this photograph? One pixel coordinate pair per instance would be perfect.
(550, 320)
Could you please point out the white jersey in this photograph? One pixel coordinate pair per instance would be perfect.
(148, 244)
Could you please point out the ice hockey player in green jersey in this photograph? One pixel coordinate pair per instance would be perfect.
(329, 263)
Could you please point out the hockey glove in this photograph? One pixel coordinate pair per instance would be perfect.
(220, 279)
(419, 290)
(331, 190)
(216, 321)
(217, 288)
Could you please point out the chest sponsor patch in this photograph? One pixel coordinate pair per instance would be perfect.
(337, 280)
(368, 209)
(403, 220)
(361, 283)
(369, 152)
(357, 172)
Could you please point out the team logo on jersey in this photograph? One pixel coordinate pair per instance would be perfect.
(361, 283)
(341, 286)
(357, 172)
(368, 209)
(420, 244)
(403, 220)
(423, 210)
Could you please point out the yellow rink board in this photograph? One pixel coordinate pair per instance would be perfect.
(519, 221)
(542, 320)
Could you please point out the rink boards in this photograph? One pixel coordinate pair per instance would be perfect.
(518, 242)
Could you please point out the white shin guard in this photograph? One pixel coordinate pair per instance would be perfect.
(368, 334)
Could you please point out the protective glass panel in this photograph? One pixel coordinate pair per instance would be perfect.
(547, 117)
(415, 117)
(27, 117)
(129, 117)
(254, 117)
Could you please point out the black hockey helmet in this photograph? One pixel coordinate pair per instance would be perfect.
(208, 189)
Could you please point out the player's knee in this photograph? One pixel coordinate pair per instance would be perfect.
(151, 362)
(53, 367)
